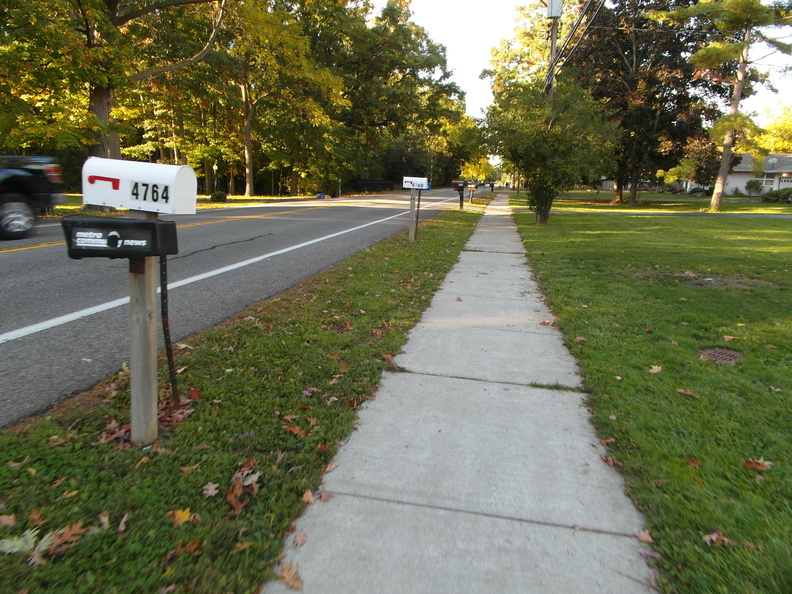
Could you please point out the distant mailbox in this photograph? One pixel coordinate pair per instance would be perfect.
(458, 185)
(150, 187)
(104, 237)
(415, 183)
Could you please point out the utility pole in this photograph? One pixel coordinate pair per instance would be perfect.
(554, 13)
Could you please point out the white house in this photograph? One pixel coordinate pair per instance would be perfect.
(777, 173)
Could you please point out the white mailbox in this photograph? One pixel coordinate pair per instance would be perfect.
(415, 183)
(151, 187)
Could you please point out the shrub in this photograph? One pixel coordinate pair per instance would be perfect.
(784, 195)
(218, 197)
(754, 186)
(737, 192)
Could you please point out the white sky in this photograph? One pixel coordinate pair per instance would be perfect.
(470, 29)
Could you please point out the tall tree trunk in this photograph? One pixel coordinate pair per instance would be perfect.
(728, 141)
(634, 179)
(295, 177)
(618, 187)
(247, 109)
(107, 142)
(208, 178)
(543, 197)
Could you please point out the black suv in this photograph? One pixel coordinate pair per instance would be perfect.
(27, 185)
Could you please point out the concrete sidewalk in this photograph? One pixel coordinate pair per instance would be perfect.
(473, 469)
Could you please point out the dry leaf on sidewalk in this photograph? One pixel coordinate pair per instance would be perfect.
(288, 574)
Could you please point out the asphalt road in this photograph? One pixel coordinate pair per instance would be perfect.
(64, 323)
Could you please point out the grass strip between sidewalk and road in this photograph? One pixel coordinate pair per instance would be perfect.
(705, 448)
(266, 400)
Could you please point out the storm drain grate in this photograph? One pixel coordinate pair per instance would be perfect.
(721, 356)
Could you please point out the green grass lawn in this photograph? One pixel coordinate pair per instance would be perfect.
(706, 449)
(268, 397)
(587, 200)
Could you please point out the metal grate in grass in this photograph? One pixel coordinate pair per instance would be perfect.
(721, 356)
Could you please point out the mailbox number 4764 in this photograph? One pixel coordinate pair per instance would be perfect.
(152, 192)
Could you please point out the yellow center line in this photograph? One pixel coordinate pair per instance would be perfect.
(222, 220)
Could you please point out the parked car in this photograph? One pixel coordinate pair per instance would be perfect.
(28, 185)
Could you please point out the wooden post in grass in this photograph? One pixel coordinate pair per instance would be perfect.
(412, 215)
(143, 342)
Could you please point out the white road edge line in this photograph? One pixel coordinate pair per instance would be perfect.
(84, 313)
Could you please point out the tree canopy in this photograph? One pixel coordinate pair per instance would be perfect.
(289, 95)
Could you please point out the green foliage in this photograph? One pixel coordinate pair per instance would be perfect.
(291, 94)
(754, 186)
(553, 146)
(777, 137)
(784, 195)
(278, 385)
(685, 433)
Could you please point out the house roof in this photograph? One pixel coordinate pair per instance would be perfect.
(773, 163)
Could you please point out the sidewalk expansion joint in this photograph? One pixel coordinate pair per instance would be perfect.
(522, 253)
(538, 385)
(482, 514)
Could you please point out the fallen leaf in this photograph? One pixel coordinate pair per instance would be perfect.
(122, 524)
(330, 468)
(241, 546)
(58, 483)
(607, 441)
(717, 538)
(650, 555)
(296, 430)
(580, 339)
(299, 539)
(179, 517)
(760, 464)
(143, 460)
(644, 537)
(618, 377)
(36, 518)
(687, 392)
(729, 338)
(612, 417)
(577, 527)
(37, 558)
(308, 498)
(232, 497)
(611, 461)
(693, 463)
(388, 358)
(210, 489)
(334, 356)
(69, 494)
(67, 538)
(655, 369)
(288, 574)
(189, 469)
(770, 346)
(8, 521)
(192, 548)
(324, 496)
(104, 520)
